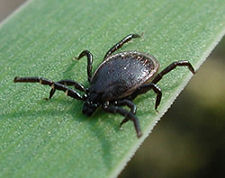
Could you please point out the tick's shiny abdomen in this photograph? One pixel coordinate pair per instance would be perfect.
(120, 74)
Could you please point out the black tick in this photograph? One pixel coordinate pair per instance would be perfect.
(117, 81)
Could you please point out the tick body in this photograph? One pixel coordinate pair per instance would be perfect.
(121, 74)
(116, 82)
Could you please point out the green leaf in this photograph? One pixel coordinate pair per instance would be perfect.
(53, 138)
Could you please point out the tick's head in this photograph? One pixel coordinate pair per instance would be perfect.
(90, 105)
(89, 108)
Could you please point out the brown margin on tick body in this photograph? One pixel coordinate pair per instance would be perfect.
(116, 82)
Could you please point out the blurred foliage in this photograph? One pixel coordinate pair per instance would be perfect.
(7, 7)
(189, 141)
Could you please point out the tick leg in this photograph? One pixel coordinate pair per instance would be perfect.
(89, 62)
(68, 83)
(132, 117)
(130, 104)
(56, 86)
(145, 88)
(120, 44)
(171, 67)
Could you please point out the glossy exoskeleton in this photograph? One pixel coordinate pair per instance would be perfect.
(118, 80)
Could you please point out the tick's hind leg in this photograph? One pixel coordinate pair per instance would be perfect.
(120, 44)
(145, 88)
(130, 104)
(56, 86)
(132, 117)
(171, 67)
(68, 83)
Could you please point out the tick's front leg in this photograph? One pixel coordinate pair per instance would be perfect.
(55, 86)
(68, 83)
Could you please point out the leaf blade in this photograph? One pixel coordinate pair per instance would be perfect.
(36, 134)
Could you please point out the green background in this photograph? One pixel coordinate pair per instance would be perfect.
(40, 138)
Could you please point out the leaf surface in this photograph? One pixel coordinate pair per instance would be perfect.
(53, 138)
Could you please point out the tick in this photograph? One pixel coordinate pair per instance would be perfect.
(118, 80)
